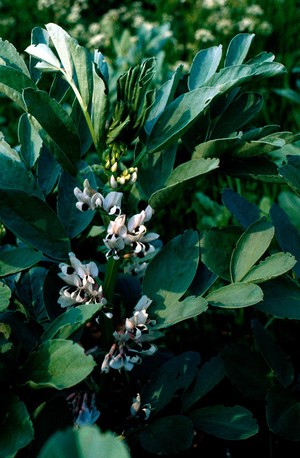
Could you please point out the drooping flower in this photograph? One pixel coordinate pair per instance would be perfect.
(137, 410)
(82, 286)
(131, 340)
(84, 410)
(89, 199)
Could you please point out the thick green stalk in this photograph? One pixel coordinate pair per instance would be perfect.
(108, 292)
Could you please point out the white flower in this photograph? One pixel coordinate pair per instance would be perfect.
(112, 203)
(88, 199)
(138, 410)
(84, 411)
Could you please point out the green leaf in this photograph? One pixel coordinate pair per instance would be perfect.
(31, 142)
(273, 354)
(12, 84)
(238, 114)
(237, 75)
(11, 57)
(216, 249)
(275, 265)
(244, 211)
(177, 263)
(238, 49)
(217, 147)
(30, 291)
(70, 321)
(178, 116)
(76, 60)
(16, 427)
(73, 220)
(99, 108)
(174, 375)
(53, 120)
(281, 299)
(286, 234)
(283, 413)
(34, 222)
(229, 423)
(179, 177)
(235, 295)
(155, 169)
(85, 442)
(5, 294)
(290, 172)
(208, 376)
(164, 96)
(48, 171)
(170, 434)
(12, 261)
(204, 65)
(263, 145)
(178, 311)
(252, 379)
(250, 247)
(57, 364)
(12, 167)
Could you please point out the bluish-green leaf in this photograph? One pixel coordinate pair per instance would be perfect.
(164, 96)
(204, 65)
(216, 249)
(12, 84)
(177, 311)
(14, 174)
(244, 211)
(48, 171)
(53, 121)
(11, 57)
(179, 177)
(73, 220)
(33, 221)
(290, 172)
(17, 259)
(16, 428)
(85, 442)
(252, 379)
(174, 375)
(237, 75)
(250, 247)
(229, 423)
(31, 142)
(281, 299)
(99, 108)
(208, 376)
(178, 116)
(275, 265)
(70, 321)
(287, 235)
(283, 413)
(217, 147)
(177, 264)
(57, 364)
(170, 434)
(235, 295)
(5, 294)
(238, 49)
(273, 354)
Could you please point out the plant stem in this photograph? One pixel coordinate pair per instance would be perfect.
(108, 292)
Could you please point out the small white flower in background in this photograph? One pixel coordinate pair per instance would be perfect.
(137, 410)
(84, 410)
(83, 288)
(131, 340)
(112, 203)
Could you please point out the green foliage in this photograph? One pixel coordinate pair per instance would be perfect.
(98, 156)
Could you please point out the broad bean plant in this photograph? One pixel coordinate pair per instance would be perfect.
(90, 288)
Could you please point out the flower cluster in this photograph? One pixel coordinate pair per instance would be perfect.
(132, 340)
(89, 199)
(83, 288)
(130, 234)
(121, 233)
